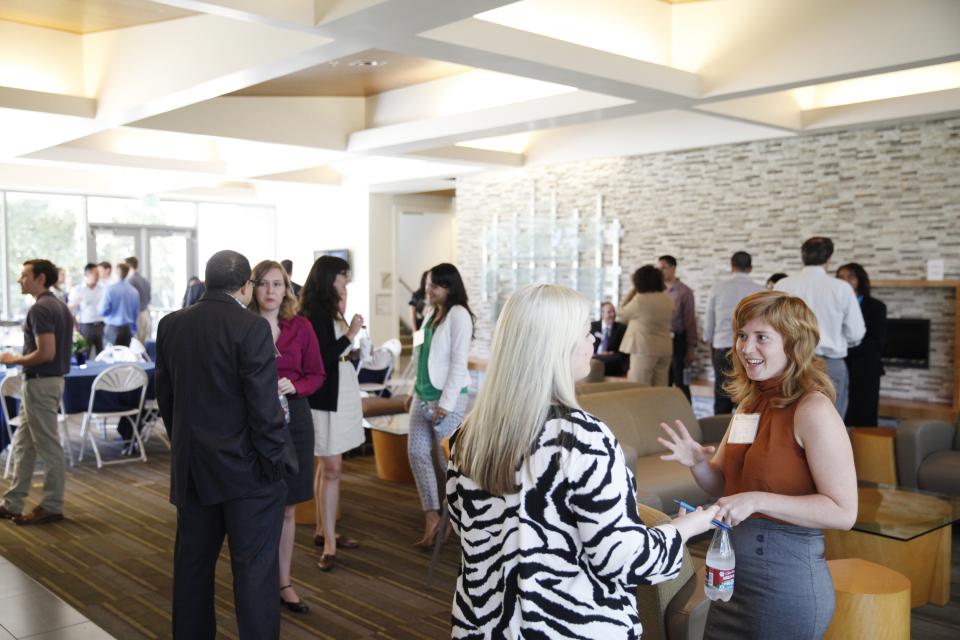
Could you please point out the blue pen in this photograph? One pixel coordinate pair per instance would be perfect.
(688, 508)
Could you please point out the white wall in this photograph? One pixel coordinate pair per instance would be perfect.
(423, 240)
(317, 218)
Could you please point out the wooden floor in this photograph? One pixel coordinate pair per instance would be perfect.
(112, 560)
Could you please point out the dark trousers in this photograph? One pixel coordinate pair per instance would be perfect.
(252, 527)
(119, 336)
(722, 366)
(614, 364)
(676, 363)
(864, 386)
(92, 332)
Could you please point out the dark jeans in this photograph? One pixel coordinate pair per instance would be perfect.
(119, 336)
(722, 366)
(252, 527)
(92, 332)
(676, 363)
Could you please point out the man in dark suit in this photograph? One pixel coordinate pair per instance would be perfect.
(609, 334)
(217, 391)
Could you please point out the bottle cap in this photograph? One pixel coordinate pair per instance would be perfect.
(721, 525)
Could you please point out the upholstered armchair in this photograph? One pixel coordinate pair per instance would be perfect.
(674, 610)
(928, 456)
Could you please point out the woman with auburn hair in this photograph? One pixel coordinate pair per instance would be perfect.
(540, 495)
(300, 373)
(785, 471)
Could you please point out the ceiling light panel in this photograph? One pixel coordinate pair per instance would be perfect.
(883, 86)
(639, 30)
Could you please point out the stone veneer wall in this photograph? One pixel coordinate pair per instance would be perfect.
(889, 197)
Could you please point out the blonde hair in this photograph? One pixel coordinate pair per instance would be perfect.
(288, 306)
(794, 321)
(530, 369)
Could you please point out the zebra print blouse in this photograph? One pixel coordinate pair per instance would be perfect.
(562, 557)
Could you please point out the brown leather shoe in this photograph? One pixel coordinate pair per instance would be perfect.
(327, 562)
(8, 515)
(37, 516)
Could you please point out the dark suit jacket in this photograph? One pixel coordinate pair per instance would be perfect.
(865, 357)
(325, 398)
(616, 335)
(217, 391)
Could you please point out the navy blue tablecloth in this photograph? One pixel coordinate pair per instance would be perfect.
(76, 393)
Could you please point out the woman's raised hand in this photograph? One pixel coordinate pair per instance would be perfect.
(683, 448)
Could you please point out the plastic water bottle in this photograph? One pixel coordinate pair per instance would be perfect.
(285, 405)
(721, 566)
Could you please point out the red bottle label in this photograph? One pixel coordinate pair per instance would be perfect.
(720, 578)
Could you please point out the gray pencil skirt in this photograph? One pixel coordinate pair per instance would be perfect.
(782, 588)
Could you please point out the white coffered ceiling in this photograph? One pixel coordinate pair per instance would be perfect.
(406, 94)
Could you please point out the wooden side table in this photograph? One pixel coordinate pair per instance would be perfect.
(874, 454)
(873, 602)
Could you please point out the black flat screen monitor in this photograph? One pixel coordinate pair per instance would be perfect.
(908, 343)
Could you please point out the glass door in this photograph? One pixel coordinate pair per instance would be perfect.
(114, 245)
(167, 255)
(173, 261)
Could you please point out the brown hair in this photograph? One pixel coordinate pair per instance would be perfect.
(795, 322)
(288, 306)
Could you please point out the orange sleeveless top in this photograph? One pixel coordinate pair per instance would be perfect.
(773, 462)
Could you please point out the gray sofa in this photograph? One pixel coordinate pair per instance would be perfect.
(634, 413)
(928, 456)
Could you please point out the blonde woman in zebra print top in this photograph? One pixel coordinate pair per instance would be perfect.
(540, 495)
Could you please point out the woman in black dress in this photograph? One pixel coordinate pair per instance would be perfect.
(300, 372)
(863, 360)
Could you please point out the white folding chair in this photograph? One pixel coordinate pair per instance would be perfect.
(117, 353)
(382, 360)
(153, 421)
(119, 378)
(11, 387)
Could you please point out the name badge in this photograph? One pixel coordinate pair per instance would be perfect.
(418, 338)
(743, 428)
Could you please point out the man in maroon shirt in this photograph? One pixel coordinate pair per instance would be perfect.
(683, 325)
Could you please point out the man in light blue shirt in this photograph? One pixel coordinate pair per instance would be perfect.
(718, 327)
(120, 307)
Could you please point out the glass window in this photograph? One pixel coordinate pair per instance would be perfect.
(43, 226)
(250, 230)
(148, 211)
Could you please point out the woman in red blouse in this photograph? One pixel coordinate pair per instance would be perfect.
(300, 373)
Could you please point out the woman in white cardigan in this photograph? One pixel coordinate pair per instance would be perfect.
(439, 399)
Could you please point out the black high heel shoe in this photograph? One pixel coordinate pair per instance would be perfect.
(296, 607)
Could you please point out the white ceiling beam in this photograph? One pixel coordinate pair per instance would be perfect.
(471, 156)
(322, 122)
(557, 110)
(288, 14)
(43, 102)
(384, 19)
(495, 47)
(925, 105)
(779, 109)
(67, 153)
(642, 134)
(141, 71)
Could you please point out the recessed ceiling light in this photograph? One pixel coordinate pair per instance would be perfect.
(367, 63)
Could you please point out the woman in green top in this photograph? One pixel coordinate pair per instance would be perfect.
(439, 399)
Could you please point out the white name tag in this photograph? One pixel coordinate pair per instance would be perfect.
(418, 338)
(743, 428)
